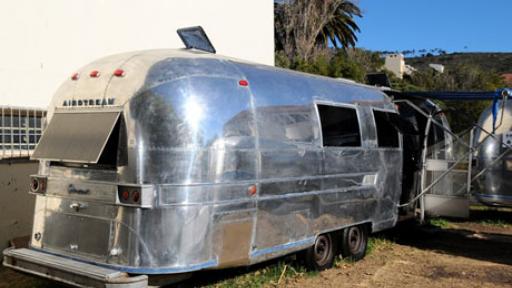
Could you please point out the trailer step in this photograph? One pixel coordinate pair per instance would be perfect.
(69, 271)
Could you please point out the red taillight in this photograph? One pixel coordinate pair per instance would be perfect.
(243, 83)
(75, 76)
(94, 73)
(136, 196)
(130, 195)
(119, 73)
(125, 195)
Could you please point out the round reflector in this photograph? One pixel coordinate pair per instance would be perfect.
(119, 73)
(251, 191)
(94, 73)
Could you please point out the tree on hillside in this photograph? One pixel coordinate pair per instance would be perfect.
(350, 63)
(302, 26)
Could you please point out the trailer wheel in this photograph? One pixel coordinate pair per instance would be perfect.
(320, 256)
(354, 241)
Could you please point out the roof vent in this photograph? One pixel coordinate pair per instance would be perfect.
(196, 38)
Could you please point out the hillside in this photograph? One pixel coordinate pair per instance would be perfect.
(498, 62)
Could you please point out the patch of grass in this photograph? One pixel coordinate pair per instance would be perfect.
(277, 274)
(340, 261)
(439, 222)
(376, 243)
(495, 222)
(273, 275)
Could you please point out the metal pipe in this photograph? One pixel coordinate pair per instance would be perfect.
(460, 96)
(424, 167)
(470, 162)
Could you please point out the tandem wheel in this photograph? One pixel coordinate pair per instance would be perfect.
(354, 241)
(320, 256)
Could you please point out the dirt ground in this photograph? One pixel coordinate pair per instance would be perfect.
(473, 253)
(430, 258)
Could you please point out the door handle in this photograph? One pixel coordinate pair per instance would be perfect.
(77, 206)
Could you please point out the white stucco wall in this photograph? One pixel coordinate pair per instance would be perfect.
(396, 64)
(45, 41)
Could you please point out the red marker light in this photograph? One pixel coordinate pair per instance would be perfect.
(94, 73)
(125, 195)
(119, 73)
(251, 191)
(243, 83)
(136, 196)
(75, 76)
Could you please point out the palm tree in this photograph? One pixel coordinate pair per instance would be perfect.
(301, 26)
(341, 29)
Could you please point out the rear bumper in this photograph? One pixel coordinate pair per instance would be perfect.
(69, 271)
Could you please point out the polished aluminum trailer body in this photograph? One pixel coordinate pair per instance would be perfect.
(228, 156)
(494, 187)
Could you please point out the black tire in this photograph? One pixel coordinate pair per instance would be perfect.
(354, 241)
(320, 256)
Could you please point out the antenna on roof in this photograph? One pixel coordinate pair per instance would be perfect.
(196, 38)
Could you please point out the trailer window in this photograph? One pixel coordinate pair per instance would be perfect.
(340, 126)
(286, 123)
(387, 133)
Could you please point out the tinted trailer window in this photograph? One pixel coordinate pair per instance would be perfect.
(340, 127)
(387, 134)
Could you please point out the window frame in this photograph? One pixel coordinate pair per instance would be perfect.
(339, 105)
(377, 132)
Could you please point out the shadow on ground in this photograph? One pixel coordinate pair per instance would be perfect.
(470, 243)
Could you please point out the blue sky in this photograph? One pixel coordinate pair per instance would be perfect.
(453, 25)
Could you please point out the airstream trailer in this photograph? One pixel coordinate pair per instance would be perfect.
(172, 161)
(494, 187)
